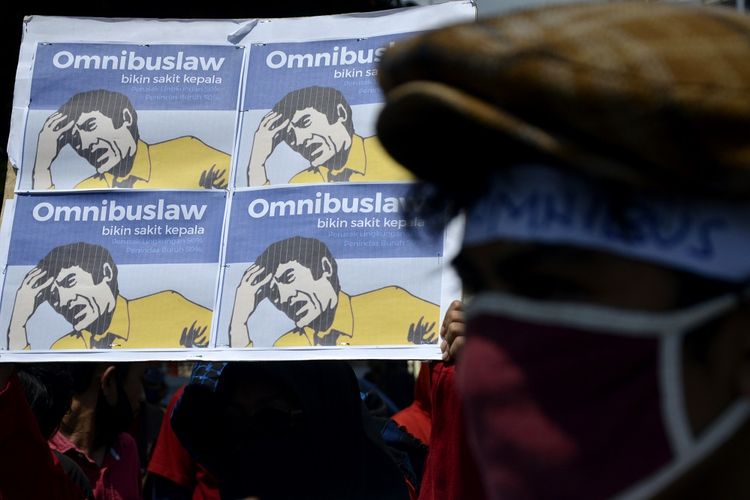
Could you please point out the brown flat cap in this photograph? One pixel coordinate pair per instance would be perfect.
(653, 95)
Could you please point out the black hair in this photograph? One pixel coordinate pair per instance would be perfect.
(49, 391)
(327, 425)
(82, 374)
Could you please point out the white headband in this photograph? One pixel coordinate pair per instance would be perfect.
(542, 204)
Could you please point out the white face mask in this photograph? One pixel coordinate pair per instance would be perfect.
(529, 337)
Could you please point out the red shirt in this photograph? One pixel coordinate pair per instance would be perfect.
(28, 468)
(416, 417)
(172, 461)
(450, 471)
(118, 478)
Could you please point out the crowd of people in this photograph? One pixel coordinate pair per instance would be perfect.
(603, 346)
(234, 430)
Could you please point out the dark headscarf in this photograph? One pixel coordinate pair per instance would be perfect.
(318, 449)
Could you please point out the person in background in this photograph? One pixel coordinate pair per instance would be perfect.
(172, 472)
(286, 430)
(388, 381)
(607, 338)
(155, 386)
(437, 418)
(30, 468)
(146, 426)
(48, 388)
(105, 401)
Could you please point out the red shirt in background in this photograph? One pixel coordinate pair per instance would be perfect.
(172, 461)
(436, 417)
(28, 468)
(118, 478)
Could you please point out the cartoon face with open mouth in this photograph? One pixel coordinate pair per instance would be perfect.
(298, 294)
(104, 145)
(311, 134)
(79, 299)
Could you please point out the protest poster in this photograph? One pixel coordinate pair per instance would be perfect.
(130, 117)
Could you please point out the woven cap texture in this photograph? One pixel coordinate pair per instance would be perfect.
(655, 95)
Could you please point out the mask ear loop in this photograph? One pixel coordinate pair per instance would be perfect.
(673, 391)
(670, 328)
(687, 449)
(674, 412)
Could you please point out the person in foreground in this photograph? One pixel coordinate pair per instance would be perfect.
(608, 337)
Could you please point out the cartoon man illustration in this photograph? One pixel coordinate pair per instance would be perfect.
(79, 281)
(316, 122)
(300, 277)
(102, 127)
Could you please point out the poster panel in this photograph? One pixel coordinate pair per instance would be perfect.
(112, 270)
(105, 115)
(309, 114)
(330, 265)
